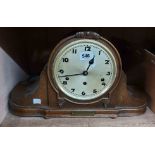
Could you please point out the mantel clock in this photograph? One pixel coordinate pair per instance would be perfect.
(83, 77)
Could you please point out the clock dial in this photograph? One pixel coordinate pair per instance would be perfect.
(84, 69)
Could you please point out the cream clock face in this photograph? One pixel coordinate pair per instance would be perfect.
(84, 69)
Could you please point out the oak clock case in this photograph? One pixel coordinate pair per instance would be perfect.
(83, 77)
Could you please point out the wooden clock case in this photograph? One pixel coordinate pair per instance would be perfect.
(120, 100)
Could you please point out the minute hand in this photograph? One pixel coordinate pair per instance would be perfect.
(71, 75)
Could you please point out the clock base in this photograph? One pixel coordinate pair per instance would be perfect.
(36, 97)
(48, 113)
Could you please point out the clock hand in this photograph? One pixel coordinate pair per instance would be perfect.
(84, 72)
(90, 63)
(71, 75)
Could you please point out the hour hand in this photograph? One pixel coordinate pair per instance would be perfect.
(92, 60)
(90, 63)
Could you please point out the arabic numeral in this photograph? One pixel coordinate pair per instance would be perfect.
(65, 59)
(87, 48)
(94, 91)
(107, 61)
(74, 51)
(64, 82)
(72, 89)
(61, 71)
(83, 93)
(108, 73)
(99, 53)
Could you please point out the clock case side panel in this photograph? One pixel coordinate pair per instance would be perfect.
(22, 99)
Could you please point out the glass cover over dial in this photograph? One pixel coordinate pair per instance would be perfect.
(84, 69)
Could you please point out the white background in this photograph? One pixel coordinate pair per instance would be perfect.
(77, 141)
